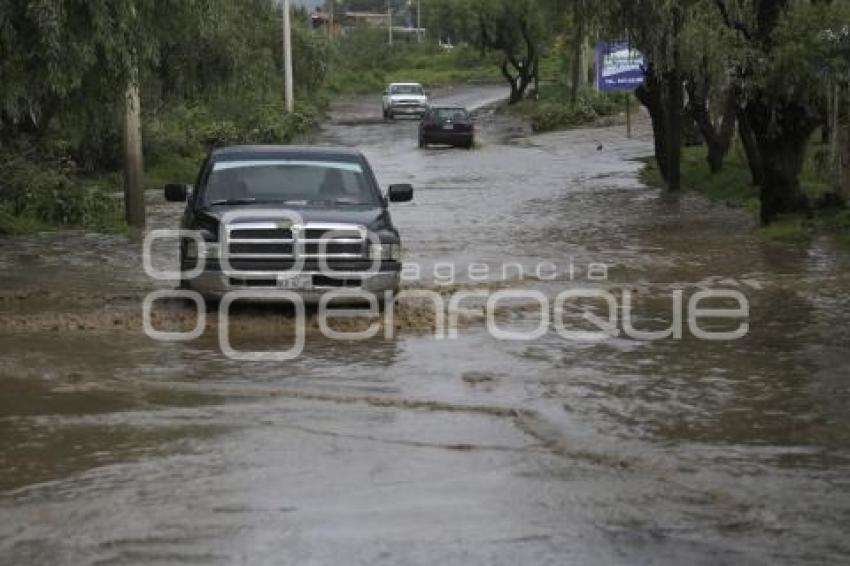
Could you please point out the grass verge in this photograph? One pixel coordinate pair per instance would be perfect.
(733, 186)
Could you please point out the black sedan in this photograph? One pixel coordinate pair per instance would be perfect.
(447, 125)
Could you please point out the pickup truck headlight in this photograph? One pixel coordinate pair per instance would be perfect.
(385, 252)
(210, 249)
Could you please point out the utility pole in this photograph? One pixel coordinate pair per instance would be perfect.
(419, 20)
(332, 16)
(134, 189)
(287, 59)
(389, 22)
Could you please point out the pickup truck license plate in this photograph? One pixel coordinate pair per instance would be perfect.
(295, 283)
(448, 126)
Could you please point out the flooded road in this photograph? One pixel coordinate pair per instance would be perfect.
(117, 449)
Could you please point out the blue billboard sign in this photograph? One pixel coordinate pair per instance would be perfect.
(619, 67)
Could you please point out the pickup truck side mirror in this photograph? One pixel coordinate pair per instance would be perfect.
(176, 192)
(400, 193)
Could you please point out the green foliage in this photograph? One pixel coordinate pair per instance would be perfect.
(177, 140)
(34, 193)
(791, 230)
(515, 29)
(515, 33)
(548, 116)
(210, 74)
(794, 69)
(553, 111)
(362, 62)
(452, 21)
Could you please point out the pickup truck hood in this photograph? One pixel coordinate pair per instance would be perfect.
(374, 217)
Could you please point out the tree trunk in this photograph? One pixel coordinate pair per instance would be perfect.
(535, 74)
(649, 94)
(748, 140)
(843, 188)
(782, 131)
(586, 63)
(576, 57)
(826, 127)
(780, 191)
(526, 76)
(515, 96)
(134, 190)
(673, 115)
(519, 83)
(674, 102)
(717, 140)
(835, 133)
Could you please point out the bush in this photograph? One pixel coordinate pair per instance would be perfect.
(604, 103)
(177, 140)
(551, 110)
(548, 116)
(47, 192)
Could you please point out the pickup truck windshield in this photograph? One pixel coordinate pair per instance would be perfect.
(289, 181)
(407, 89)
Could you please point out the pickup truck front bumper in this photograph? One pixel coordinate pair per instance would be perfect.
(408, 109)
(310, 285)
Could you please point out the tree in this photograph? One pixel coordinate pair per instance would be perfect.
(780, 58)
(514, 29)
(67, 69)
(580, 17)
(656, 27)
(453, 21)
(837, 40)
(714, 93)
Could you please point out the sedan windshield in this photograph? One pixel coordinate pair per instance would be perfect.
(289, 181)
(453, 114)
(406, 89)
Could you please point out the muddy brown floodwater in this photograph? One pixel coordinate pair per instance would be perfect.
(116, 449)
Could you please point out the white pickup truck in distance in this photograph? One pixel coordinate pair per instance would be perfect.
(408, 99)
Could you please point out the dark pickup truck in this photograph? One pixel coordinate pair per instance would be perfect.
(302, 219)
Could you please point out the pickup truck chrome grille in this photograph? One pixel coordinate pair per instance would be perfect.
(314, 240)
(239, 232)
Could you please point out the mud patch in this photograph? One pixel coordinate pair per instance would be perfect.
(475, 378)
